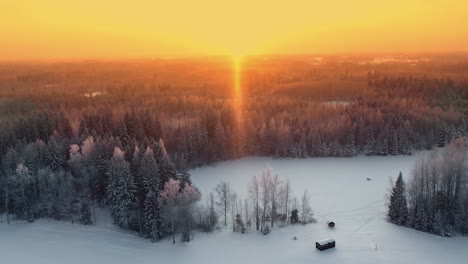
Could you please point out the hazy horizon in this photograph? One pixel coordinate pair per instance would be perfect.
(228, 57)
(63, 30)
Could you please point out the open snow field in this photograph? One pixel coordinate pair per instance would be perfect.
(338, 190)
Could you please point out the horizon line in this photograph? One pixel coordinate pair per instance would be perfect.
(217, 56)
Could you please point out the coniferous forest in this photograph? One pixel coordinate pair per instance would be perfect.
(123, 135)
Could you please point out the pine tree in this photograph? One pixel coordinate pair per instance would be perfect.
(393, 144)
(85, 213)
(151, 184)
(294, 218)
(182, 173)
(370, 144)
(55, 154)
(398, 209)
(442, 137)
(350, 148)
(152, 216)
(122, 132)
(384, 147)
(100, 179)
(166, 168)
(239, 224)
(65, 128)
(220, 141)
(121, 190)
(21, 192)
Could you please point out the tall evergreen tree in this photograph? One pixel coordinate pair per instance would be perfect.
(121, 190)
(150, 174)
(397, 208)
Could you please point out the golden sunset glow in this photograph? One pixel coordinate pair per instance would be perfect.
(237, 76)
(141, 28)
(238, 97)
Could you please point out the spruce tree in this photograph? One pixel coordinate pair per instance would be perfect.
(121, 190)
(398, 209)
(294, 218)
(369, 148)
(350, 148)
(85, 213)
(393, 144)
(183, 174)
(166, 168)
(151, 184)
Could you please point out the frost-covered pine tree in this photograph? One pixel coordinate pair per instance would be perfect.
(239, 224)
(397, 208)
(220, 141)
(55, 154)
(443, 136)
(182, 172)
(166, 168)
(294, 218)
(121, 190)
(370, 144)
(384, 147)
(151, 185)
(152, 218)
(393, 144)
(85, 213)
(22, 193)
(350, 148)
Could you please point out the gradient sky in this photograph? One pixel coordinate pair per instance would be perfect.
(60, 29)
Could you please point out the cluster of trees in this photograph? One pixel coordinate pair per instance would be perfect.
(436, 198)
(214, 131)
(308, 129)
(63, 179)
(270, 201)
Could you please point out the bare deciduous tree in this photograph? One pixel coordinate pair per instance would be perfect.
(275, 184)
(223, 195)
(254, 193)
(306, 210)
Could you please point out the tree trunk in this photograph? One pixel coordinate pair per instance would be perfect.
(93, 204)
(225, 212)
(287, 198)
(173, 233)
(273, 215)
(6, 203)
(257, 215)
(139, 222)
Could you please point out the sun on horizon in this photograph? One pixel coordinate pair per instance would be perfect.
(57, 29)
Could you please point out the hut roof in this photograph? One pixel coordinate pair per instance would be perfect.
(326, 241)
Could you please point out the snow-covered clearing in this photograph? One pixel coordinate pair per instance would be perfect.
(339, 191)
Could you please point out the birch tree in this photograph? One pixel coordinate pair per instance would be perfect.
(223, 195)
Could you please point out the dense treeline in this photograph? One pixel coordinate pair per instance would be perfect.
(66, 181)
(269, 126)
(76, 136)
(436, 197)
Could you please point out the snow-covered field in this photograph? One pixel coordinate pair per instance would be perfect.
(339, 191)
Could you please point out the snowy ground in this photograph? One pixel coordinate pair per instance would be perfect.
(339, 192)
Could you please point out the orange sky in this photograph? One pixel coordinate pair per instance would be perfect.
(60, 29)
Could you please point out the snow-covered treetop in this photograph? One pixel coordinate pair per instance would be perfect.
(118, 153)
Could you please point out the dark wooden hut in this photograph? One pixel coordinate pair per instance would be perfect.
(325, 244)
